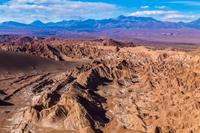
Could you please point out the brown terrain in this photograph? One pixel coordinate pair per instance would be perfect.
(52, 85)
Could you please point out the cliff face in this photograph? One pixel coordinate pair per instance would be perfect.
(113, 89)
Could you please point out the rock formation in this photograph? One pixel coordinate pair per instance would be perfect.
(128, 90)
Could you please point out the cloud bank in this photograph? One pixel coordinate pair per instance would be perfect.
(166, 15)
(55, 10)
(27, 11)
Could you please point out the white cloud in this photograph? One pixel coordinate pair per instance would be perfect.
(188, 3)
(144, 7)
(55, 10)
(151, 12)
(160, 7)
(166, 15)
(179, 17)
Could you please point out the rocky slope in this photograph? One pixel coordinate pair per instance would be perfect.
(115, 89)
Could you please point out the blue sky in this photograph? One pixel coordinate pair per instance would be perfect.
(57, 10)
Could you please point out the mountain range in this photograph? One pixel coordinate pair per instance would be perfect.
(128, 22)
(122, 27)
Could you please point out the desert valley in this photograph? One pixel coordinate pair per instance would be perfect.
(56, 85)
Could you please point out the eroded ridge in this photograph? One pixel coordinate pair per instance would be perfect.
(114, 89)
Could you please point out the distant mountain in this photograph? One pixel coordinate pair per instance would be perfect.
(12, 24)
(194, 24)
(121, 23)
(129, 22)
(37, 23)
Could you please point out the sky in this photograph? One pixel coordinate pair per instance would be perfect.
(27, 11)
